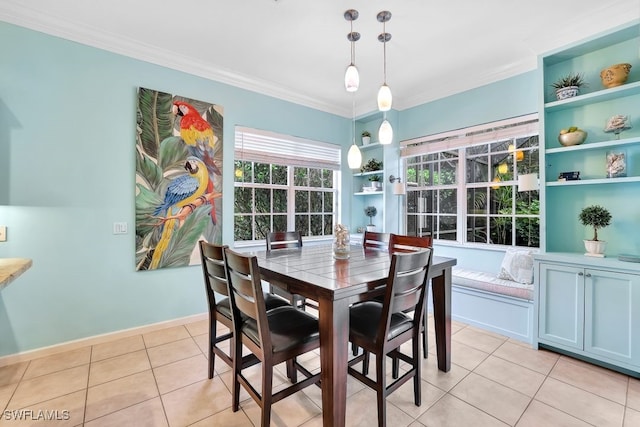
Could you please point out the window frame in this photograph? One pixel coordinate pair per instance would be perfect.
(508, 131)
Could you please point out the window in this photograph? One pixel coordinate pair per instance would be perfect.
(283, 183)
(462, 185)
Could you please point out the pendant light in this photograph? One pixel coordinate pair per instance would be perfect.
(385, 132)
(384, 94)
(354, 156)
(352, 76)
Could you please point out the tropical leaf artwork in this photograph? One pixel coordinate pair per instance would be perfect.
(179, 147)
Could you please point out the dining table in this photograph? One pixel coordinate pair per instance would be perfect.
(313, 272)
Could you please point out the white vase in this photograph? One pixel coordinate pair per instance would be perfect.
(371, 228)
(366, 140)
(595, 247)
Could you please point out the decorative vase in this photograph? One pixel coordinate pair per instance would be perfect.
(377, 185)
(595, 247)
(567, 92)
(366, 140)
(615, 75)
(341, 242)
(371, 227)
(616, 164)
(572, 138)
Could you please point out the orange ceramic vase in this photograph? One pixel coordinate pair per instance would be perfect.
(615, 75)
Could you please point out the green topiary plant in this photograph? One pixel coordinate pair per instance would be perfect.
(370, 211)
(596, 217)
(366, 133)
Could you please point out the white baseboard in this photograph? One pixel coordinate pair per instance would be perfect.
(97, 339)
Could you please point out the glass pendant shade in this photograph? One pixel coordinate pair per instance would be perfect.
(351, 78)
(385, 132)
(384, 98)
(354, 157)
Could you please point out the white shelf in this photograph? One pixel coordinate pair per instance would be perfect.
(627, 89)
(370, 146)
(594, 181)
(378, 172)
(594, 145)
(368, 193)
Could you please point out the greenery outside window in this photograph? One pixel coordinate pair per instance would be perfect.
(462, 186)
(279, 192)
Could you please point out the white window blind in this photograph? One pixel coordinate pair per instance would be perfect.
(270, 147)
(516, 127)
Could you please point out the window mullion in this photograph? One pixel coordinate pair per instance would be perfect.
(462, 196)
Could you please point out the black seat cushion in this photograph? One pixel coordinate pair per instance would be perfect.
(289, 328)
(270, 300)
(364, 320)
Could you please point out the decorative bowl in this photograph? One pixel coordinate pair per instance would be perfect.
(567, 92)
(572, 138)
(615, 75)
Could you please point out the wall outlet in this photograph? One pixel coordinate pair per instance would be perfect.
(3, 233)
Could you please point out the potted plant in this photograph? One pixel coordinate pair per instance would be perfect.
(569, 85)
(366, 138)
(375, 182)
(371, 166)
(370, 211)
(596, 217)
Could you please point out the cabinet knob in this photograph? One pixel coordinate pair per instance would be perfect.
(588, 275)
(581, 274)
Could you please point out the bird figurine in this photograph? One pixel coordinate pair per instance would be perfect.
(182, 191)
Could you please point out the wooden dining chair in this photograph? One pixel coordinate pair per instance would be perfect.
(374, 240)
(215, 281)
(402, 243)
(272, 337)
(286, 240)
(381, 328)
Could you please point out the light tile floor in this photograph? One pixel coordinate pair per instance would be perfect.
(160, 379)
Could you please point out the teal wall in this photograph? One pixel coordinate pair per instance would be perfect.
(67, 128)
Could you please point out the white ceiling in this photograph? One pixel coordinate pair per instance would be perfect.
(297, 50)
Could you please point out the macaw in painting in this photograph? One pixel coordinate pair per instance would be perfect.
(182, 191)
(197, 134)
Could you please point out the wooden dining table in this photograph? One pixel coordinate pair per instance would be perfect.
(313, 272)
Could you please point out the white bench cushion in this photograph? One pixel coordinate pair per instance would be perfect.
(490, 283)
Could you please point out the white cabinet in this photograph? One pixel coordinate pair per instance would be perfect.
(590, 308)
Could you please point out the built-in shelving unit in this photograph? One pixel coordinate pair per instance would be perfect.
(589, 111)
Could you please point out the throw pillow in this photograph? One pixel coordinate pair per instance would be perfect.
(517, 266)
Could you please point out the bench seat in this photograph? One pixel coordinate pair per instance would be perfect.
(490, 283)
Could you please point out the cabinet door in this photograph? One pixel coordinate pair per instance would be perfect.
(561, 305)
(612, 315)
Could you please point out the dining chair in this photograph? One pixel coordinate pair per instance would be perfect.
(374, 240)
(403, 243)
(381, 328)
(286, 240)
(215, 281)
(272, 337)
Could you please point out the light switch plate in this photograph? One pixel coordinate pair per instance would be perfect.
(3, 233)
(119, 228)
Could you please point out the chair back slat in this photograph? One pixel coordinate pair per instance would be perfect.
(374, 240)
(401, 243)
(213, 270)
(245, 294)
(284, 240)
(406, 287)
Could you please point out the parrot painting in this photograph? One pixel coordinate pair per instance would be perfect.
(198, 135)
(182, 191)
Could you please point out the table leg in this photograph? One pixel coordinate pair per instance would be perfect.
(441, 288)
(334, 344)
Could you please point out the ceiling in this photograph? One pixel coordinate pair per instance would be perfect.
(297, 50)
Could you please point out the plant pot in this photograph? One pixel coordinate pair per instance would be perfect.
(615, 75)
(595, 247)
(377, 185)
(366, 140)
(567, 92)
(371, 228)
